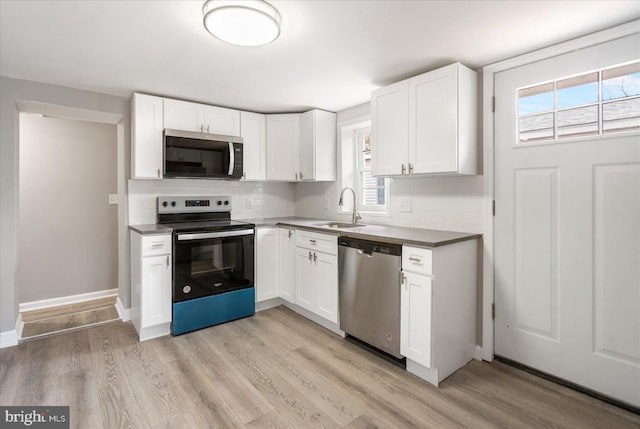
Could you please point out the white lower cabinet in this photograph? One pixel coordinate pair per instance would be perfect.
(317, 274)
(287, 264)
(438, 308)
(267, 263)
(151, 284)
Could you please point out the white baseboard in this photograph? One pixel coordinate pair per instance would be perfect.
(478, 353)
(19, 325)
(270, 303)
(71, 299)
(124, 313)
(8, 339)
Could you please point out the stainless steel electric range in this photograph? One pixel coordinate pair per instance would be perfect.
(213, 262)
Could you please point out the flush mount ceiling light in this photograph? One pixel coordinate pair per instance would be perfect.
(242, 22)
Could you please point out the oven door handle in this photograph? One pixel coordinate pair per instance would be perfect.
(203, 235)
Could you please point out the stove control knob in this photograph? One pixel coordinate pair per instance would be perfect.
(165, 204)
(173, 203)
(219, 202)
(186, 289)
(226, 202)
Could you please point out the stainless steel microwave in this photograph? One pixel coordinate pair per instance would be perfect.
(202, 156)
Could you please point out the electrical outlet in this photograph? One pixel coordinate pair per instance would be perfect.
(405, 205)
(113, 199)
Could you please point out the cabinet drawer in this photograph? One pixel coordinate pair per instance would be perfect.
(156, 245)
(417, 260)
(320, 242)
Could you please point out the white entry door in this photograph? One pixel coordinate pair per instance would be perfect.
(567, 223)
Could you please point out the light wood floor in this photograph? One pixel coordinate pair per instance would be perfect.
(274, 370)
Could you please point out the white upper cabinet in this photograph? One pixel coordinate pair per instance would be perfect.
(146, 135)
(188, 116)
(301, 146)
(283, 135)
(318, 146)
(390, 129)
(253, 133)
(426, 124)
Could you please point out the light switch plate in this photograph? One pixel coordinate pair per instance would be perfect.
(405, 205)
(113, 199)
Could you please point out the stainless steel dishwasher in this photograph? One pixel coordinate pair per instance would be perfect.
(369, 288)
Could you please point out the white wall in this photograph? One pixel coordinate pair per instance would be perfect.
(266, 199)
(68, 231)
(13, 92)
(452, 203)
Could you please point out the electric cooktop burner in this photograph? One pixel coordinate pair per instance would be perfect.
(195, 214)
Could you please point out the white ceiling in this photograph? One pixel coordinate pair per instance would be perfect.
(330, 55)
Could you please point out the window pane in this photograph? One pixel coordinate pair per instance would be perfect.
(621, 115)
(535, 99)
(621, 82)
(372, 189)
(578, 90)
(578, 122)
(536, 127)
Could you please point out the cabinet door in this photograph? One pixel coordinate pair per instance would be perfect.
(433, 121)
(183, 115)
(415, 318)
(253, 133)
(283, 135)
(147, 126)
(267, 262)
(390, 129)
(326, 274)
(306, 282)
(220, 120)
(307, 146)
(156, 291)
(287, 264)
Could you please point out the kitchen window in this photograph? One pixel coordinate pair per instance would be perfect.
(594, 103)
(372, 191)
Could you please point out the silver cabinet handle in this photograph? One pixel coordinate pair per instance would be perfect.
(309, 255)
(301, 175)
(157, 245)
(167, 260)
(296, 176)
(403, 169)
(315, 257)
(410, 168)
(207, 129)
(411, 258)
(290, 233)
(202, 128)
(158, 172)
(202, 235)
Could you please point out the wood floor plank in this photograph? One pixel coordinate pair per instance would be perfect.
(299, 410)
(275, 370)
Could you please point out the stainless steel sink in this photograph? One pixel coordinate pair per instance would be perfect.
(340, 225)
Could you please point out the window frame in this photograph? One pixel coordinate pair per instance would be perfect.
(360, 170)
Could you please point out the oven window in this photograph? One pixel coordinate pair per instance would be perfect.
(212, 266)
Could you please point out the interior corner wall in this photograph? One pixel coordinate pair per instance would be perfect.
(13, 91)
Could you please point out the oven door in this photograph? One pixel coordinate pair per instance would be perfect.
(211, 263)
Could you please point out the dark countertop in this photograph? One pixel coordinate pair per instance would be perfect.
(151, 229)
(384, 233)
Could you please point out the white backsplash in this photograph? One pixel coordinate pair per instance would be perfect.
(265, 199)
(452, 203)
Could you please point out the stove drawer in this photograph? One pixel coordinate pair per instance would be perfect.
(156, 245)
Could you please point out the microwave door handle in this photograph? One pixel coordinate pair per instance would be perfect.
(232, 159)
(203, 235)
